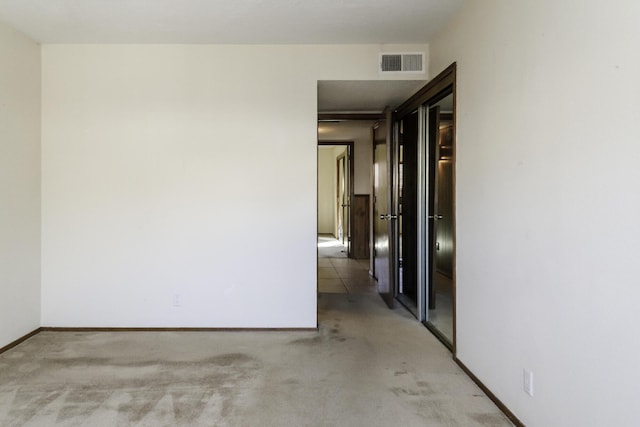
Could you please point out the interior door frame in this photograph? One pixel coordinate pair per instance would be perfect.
(351, 190)
(439, 87)
(342, 171)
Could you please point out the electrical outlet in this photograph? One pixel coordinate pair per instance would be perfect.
(527, 382)
(176, 300)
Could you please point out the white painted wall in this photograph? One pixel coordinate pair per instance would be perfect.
(360, 133)
(19, 185)
(548, 204)
(326, 190)
(185, 170)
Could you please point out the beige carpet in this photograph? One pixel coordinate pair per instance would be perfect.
(367, 366)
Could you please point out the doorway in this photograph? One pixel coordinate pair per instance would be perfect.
(412, 203)
(343, 264)
(426, 188)
(335, 192)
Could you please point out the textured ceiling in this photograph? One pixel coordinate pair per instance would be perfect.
(228, 21)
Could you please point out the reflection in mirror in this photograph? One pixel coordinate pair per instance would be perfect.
(408, 212)
(441, 199)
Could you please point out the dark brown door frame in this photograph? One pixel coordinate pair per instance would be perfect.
(349, 145)
(345, 229)
(438, 88)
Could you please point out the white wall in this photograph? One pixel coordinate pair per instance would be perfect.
(19, 185)
(184, 170)
(360, 133)
(548, 204)
(326, 190)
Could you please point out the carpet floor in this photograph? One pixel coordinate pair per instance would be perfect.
(366, 366)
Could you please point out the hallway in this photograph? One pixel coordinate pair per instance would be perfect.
(339, 274)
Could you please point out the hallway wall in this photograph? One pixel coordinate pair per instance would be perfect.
(184, 170)
(360, 133)
(326, 190)
(548, 204)
(19, 185)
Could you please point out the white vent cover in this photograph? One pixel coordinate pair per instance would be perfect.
(402, 62)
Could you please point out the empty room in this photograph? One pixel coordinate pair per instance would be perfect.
(336, 213)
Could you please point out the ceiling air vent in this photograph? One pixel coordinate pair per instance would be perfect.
(401, 62)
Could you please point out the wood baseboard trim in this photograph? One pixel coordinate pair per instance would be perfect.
(126, 329)
(19, 340)
(512, 417)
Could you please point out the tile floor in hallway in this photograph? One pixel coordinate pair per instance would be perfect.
(344, 276)
(338, 274)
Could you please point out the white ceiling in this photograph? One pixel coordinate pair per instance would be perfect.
(364, 95)
(228, 21)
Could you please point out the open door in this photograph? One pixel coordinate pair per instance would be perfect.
(408, 230)
(384, 215)
(343, 202)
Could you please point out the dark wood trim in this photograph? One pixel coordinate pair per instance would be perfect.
(454, 142)
(490, 395)
(360, 245)
(20, 340)
(349, 116)
(129, 329)
(430, 91)
(340, 203)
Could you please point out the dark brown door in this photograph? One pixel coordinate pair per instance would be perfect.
(384, 214)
